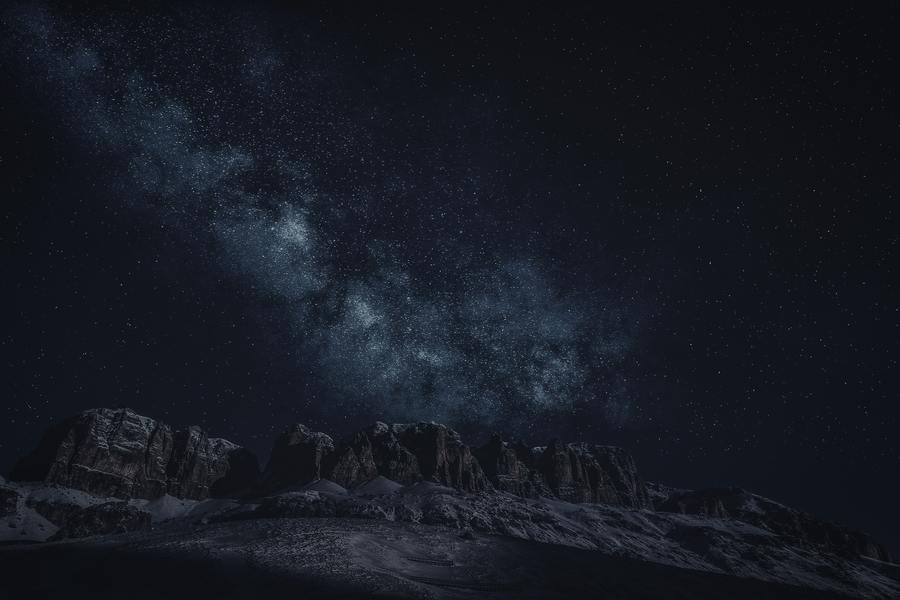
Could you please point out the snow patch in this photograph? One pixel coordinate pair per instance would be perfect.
(164, 508)
(379, 486)
(324, 485)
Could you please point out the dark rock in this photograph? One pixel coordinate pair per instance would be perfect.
(379, 451)
(58, 513)
(201, 466)
(310, 503)
(704, 502)
(353, 463)
(300, 456)
(240, 474)
(800, 527)
(586, 473)
(9, 499)
(507, 472)
(623, 485)
(440, 456)
(297, 457)
(412, 452)
(572, 472)
(294, 504)
(102, 519)
(405, 453)
(119, 453)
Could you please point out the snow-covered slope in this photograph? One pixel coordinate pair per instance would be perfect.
(696, 542)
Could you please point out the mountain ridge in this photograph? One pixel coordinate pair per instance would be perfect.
(113, 471)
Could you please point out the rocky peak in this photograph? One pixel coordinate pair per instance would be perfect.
(119, 453)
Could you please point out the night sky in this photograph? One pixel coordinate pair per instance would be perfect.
(672, 230)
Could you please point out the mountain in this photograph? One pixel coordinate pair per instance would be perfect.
(119, 453)
(400, 511)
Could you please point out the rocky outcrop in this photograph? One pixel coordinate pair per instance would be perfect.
(9, 499)
(412, 452)
(388, 456)
(571, 472)
(297, 457)
(119, 453)
(405, 453)
(102, 519)
(611, 474)
(800, 527)
(235, 475)
(57, 513)
(708, 503)
(201, 466)
(506, 467)
(353, 462)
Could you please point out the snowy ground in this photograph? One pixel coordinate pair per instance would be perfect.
(349, 558)
(422, 541)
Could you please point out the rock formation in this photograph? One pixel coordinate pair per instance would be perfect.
(9, 498)
(571, 472)
(297, 457)
(411, 452)
(405, 453)
(506, 467)
(426, 452)
(102, 519)
(353, 463)
(119, 453)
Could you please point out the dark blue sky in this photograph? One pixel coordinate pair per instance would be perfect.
(674, 231)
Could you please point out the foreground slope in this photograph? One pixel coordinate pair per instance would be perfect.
(402, 510)
(345, 558)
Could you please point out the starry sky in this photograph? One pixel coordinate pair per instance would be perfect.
(675, 231)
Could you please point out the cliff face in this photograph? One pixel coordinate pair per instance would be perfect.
(572, 472)
(119, 453)
(429, 452)
(405, 453)
(297, 457)
(411, 452)
(586, 473)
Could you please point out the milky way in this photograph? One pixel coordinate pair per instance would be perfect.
(291, 184)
